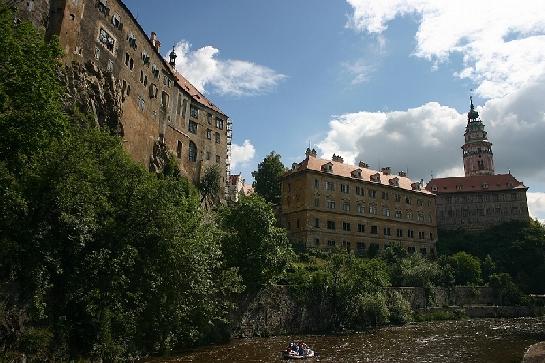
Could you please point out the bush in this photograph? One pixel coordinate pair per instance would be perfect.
(506, 290)
(400, 309)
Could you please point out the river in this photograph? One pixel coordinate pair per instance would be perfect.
(467, 341)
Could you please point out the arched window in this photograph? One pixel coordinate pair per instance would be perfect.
(192, 151)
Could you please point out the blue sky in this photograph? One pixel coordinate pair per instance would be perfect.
(382, 81)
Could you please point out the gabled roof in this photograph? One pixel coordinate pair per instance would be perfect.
(195, 93)
(345, 170)
(477, 183)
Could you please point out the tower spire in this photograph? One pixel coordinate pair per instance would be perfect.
(472, 115)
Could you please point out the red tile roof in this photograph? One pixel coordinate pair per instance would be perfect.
(345, 170)
(474, 184)
(195, 93)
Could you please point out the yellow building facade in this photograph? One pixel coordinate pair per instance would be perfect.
(328, 204)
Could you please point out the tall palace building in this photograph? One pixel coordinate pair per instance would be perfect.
(481, 198)
(327, 204)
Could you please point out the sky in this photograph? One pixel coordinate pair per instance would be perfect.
(382, 81)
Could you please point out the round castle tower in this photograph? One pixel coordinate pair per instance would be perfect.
(477, 150)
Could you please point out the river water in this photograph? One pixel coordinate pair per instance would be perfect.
(467, 341)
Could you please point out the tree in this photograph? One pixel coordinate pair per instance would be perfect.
(210, 186)
(267, 178)
(253, 243)
(467, 268)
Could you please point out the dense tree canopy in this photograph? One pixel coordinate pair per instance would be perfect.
(267, 178)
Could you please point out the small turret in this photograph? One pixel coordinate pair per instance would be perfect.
(472, 115)
(173, 57)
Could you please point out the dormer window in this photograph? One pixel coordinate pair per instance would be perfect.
(415, 186)
(375, 178)
(434, 188)
(484, 186)
(459, 187)
(328, 168)
(356, 173)
(394, 182)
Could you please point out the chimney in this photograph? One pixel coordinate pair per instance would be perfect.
(386, 170)
(310, 153)
(155, 41)
(402, 174)
(363, 165)
(337, 158)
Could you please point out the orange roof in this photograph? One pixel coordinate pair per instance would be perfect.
(345, 170)
(475, 183)
(247, 189)
(195, 93)
(233, 179)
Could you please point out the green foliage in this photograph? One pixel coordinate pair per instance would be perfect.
(252, 242)
(267, 178)
(399, 308)
(30, 95)
(516, 248)
(415, 270)
(488, 268)
(210, 186)
(467, 268)
(368, 309)
(505, 288)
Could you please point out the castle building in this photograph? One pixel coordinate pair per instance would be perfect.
(481, 198)
(327, 204)
(237, 187)
(119, 74)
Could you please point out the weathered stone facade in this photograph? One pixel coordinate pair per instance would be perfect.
(481, 199)
(109, 57)
(331, 204)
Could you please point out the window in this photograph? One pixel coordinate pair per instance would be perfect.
(387, 231)
(132, 41)
(345, 188)
(431, 236)
(409, 215)
(184, 106)
(153, 90)
(419, 202)
(208, 155)
(110, 67)
(361, 228)
(316, 241)
(398, 214)
(346, 244)
(289, 187)
(179, 148)
(399, 232)
(208, 134)
(372, 209)
(103, 7)
(331, 225)
(397, 197)
(192, 127)
(219, 123)
(346, 206)
(423, 251)
(374, 230)
(316, 202)
(97, 53)
(408, 200)
(331, 204)
(209, 118)
(331, 243)
(410, 233)
(385, 195)
(131, 64)
(386, 212)
(297, 223)
(361, 208)
(346, 226)
(141, 103)
(317, 222)
(421, 235)
(316, 184)
(359, 190)
(330, 186)
(411, 250)
(192, 151)
(217, 137)
(155, 71)
(372, 193)
(145, 58)
(218, 159)
(360, 246)
(420, 216)
(165, 98)
(193, 111)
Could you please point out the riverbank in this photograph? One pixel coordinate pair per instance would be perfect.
(277, 310)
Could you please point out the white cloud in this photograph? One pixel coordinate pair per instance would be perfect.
(359, 71)
(206, 71)
(242, 154)
(536, 205)
(502, 41)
